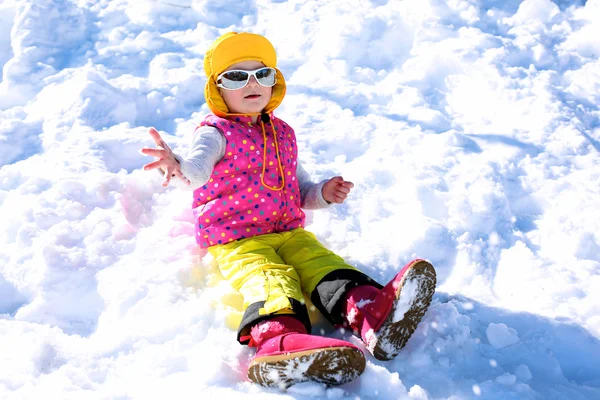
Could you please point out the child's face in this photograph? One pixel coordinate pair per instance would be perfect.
(252, 98)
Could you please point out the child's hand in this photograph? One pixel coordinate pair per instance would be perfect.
(336, 189)
(166, 160)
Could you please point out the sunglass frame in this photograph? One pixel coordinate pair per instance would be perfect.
(249, 73)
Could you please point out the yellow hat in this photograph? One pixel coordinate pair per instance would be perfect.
(232, 48)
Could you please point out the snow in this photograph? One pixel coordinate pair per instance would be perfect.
(410, 291)
(471, 131)
(500, 335)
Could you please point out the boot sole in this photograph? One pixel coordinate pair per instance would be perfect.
(332, 366)
(393, 335)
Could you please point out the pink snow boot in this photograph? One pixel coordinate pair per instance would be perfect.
(287, 355)
(385, 319)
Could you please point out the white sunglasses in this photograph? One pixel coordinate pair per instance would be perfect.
(237, 78)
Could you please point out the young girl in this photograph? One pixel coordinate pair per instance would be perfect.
(249, 192)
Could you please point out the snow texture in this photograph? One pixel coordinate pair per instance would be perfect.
(471, 130)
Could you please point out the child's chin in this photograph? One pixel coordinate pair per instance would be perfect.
(254, 108)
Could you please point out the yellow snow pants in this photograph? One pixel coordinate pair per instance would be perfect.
(273, 271)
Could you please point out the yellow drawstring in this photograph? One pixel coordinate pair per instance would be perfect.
(262, 125)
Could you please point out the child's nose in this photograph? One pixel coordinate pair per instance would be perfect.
(253, 81)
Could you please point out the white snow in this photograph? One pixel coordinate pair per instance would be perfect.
(500, 335)
(471, 131)
(410, 290)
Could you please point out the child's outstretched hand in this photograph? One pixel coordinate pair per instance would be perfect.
(336, 189)
(166, 160)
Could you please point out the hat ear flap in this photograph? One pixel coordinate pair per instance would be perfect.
(278, 92)
(214, 101)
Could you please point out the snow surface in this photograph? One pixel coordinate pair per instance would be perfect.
(500, 336)
(471, 131)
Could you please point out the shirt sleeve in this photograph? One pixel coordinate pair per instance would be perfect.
(311, 194)
(207, 148)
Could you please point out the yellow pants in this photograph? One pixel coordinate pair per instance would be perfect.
(273, 271)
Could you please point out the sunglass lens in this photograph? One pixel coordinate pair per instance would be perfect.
(237, 76)
(234, 79)
(266, 76)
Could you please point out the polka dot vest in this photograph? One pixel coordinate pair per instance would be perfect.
(234, 203)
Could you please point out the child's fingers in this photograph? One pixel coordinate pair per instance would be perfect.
(154, 152)
(155, 164)
(341, 195)
(167, 179)
(339, 181)
(155, 135)
(158, 139)
(165, 146)
(180, 175)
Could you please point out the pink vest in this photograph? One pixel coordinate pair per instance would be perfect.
(234, 203)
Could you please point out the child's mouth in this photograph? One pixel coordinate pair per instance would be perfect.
(252, 96)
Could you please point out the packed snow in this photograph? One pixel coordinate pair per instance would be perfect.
(470, 128)
(500, 335)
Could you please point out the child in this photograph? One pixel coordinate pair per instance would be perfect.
(249, 192)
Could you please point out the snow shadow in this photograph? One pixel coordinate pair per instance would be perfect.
(11, 299)
(462, 341)
(20, 139)
(376, 46)
(511, 6)
(584, 112)
(592, 141)
(146, 29)
(7, 15)
(53, 35)
(524, 147)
